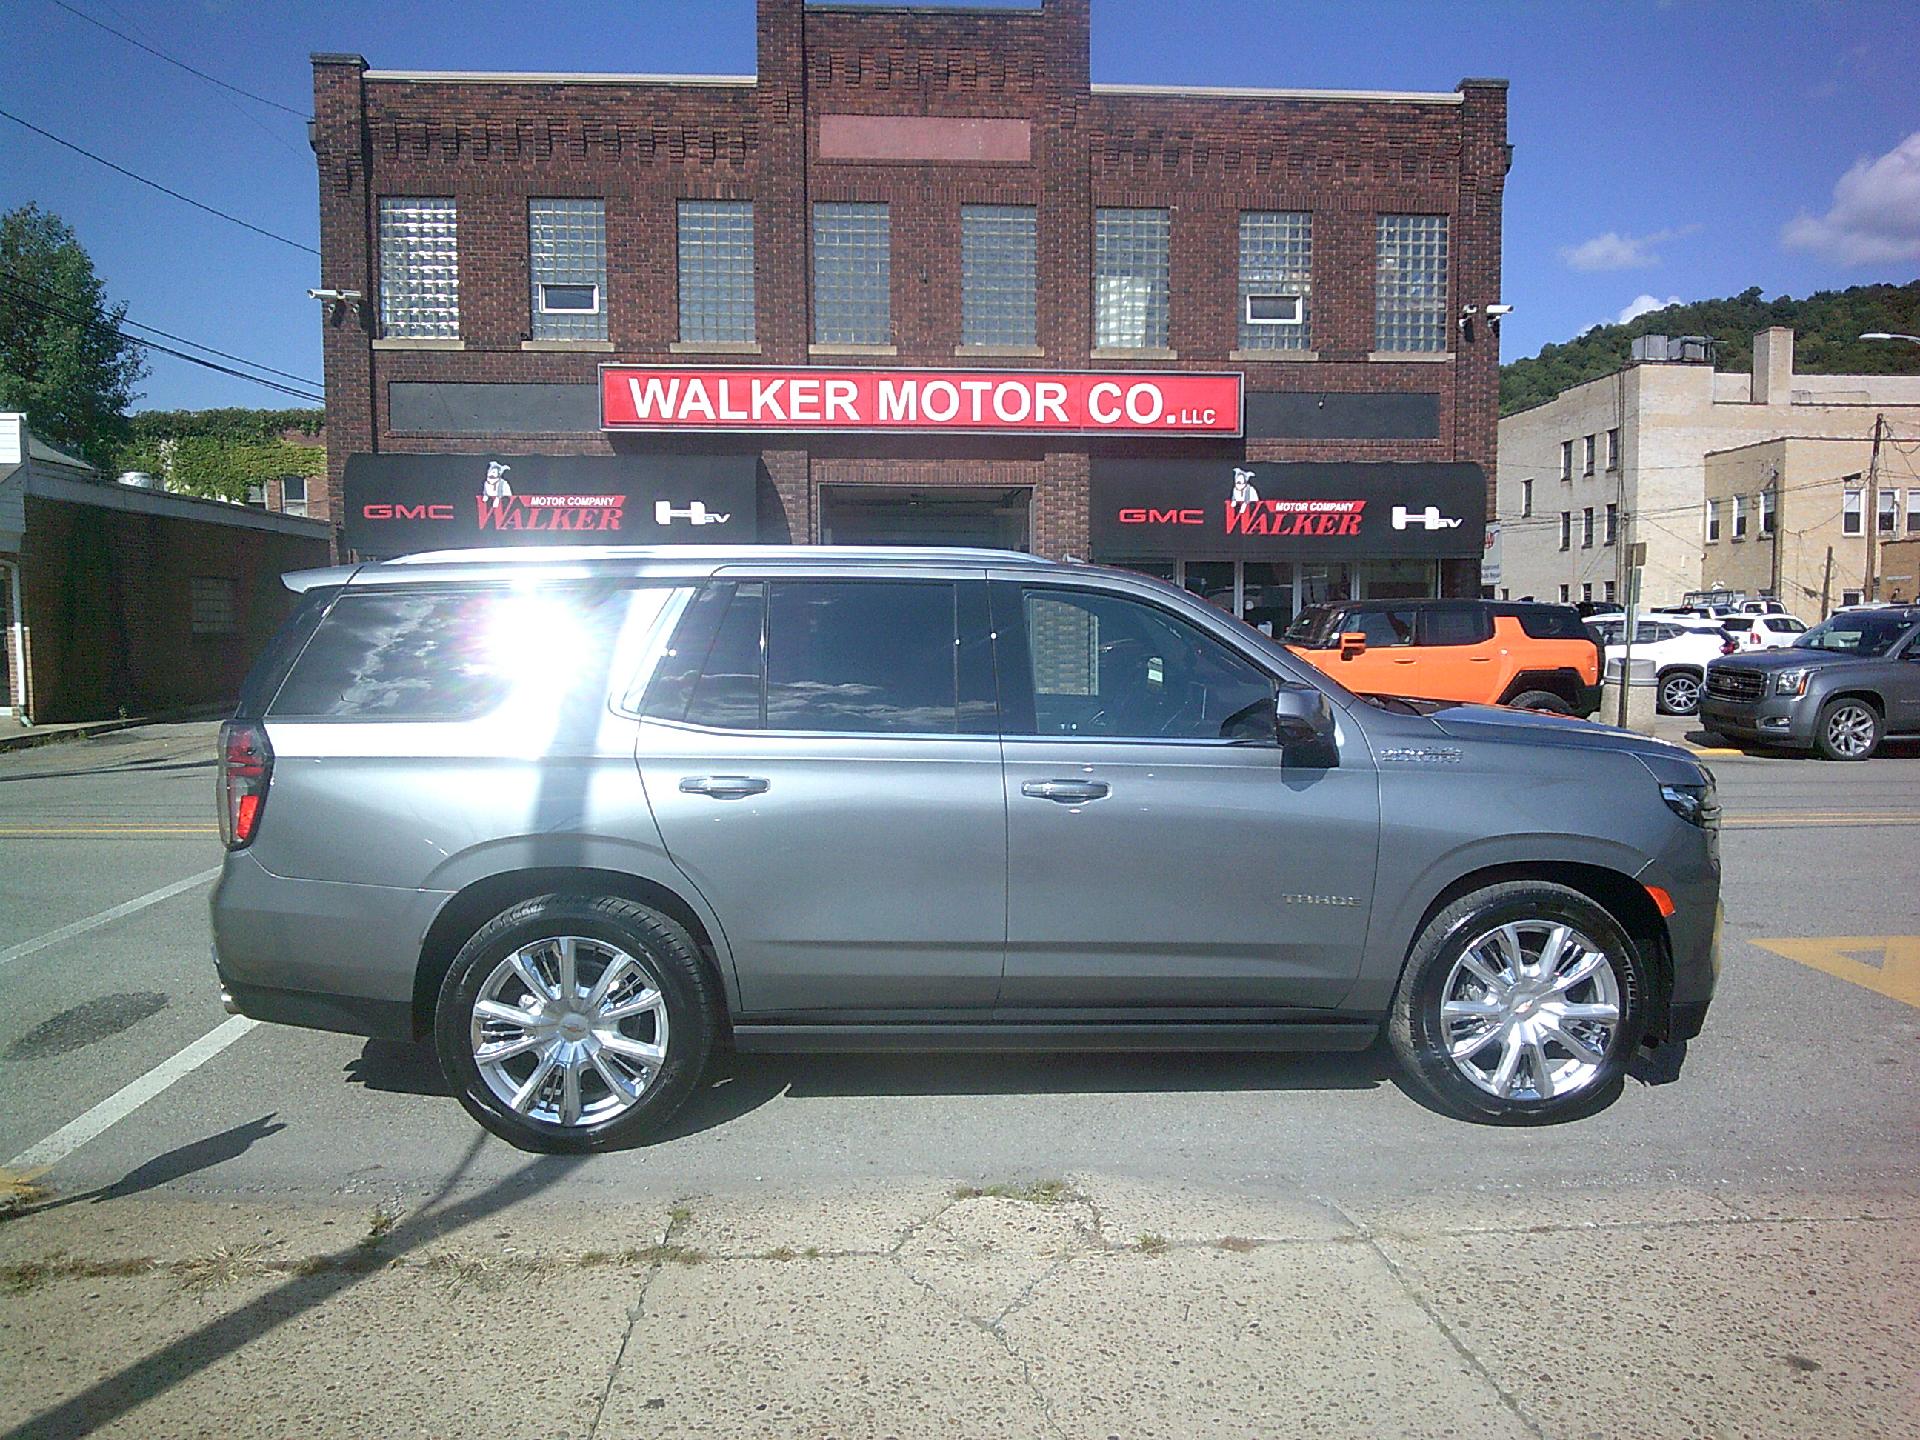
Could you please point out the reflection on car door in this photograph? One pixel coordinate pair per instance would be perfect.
(821, 759)
(1153, 859)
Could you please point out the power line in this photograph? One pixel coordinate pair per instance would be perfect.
(181, 64)
(155, 184)
(23, 299)
(16, 279)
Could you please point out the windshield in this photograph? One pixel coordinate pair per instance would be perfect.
(1311, 626)
(1864, 634)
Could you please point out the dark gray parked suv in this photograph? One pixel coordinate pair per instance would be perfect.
(580, 816)
(1838, 690)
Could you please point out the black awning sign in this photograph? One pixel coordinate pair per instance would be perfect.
(398, 504)
(1200, 508)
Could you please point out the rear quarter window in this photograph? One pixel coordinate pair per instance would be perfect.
(419, 655)
(1553, 622)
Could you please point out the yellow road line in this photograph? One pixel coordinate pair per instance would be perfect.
(103, 832)
(1794, 819)
(1896, 975)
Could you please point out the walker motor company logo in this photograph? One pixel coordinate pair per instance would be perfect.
(1308, 510)
(812, 398)
(401, 503)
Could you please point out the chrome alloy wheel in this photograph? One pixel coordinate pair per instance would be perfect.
(1530, 1010)
(1680, 694)
(1850, 729)
(569, 1030)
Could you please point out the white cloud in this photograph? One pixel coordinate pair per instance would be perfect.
(1644, 304)
(1875, 215)
(1614, 251)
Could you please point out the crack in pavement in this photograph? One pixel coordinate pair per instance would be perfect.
(633, 1319)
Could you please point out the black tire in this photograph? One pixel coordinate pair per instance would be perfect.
(693, 1011)
(1418, 1035)
(1848, 728)
(1541, 700)
(1679, 693)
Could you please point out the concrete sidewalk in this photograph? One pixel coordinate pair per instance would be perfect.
(17, 734)
(1089, 1306)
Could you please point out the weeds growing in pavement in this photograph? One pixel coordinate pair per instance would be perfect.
(1151, 1244)
(380, 1222)
(1039, 1192)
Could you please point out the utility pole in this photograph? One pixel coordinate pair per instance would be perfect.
(1632, 613)
(1826, 587)
(1873, 508)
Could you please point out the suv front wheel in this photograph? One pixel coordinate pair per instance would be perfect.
(1847, 729)
(1521, 1005)
(572, 1023)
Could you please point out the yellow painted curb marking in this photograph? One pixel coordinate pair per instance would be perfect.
(1885, 964)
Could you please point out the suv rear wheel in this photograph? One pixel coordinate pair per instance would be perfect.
(1521, 1005)
(1680, 692)
(572, 1023)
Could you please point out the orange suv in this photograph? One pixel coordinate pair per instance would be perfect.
(1486, 652)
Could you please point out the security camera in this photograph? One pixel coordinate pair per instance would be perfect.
(335, 297)
(1494, 312)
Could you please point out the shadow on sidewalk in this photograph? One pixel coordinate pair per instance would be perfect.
(107, 1401)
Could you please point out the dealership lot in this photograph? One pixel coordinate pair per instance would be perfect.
(1066, 1245)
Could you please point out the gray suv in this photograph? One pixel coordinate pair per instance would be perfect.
(1838, 690)
(582, 816)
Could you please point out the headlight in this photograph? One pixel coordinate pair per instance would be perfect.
(1695, 804)
(1791, 682)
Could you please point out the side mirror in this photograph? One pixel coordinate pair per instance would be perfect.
(1352, 643)
(1302, 716)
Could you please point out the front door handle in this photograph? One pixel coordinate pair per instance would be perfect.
(1066, 792)
(723, 787)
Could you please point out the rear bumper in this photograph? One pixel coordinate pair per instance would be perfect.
(319, 954)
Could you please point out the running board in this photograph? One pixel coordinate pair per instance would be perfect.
(1321, 1035)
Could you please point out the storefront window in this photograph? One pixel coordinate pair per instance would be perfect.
(1397, 579)
(1266, 595)
(1212, 581)
(1319, 583)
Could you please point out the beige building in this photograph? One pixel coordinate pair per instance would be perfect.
(1776, 510)
(1625, 459)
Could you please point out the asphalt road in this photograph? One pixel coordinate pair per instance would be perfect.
(1807, 1075)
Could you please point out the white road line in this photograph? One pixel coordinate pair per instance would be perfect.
(105, 917)
(129, 1098)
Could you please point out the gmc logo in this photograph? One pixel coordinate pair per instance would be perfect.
(1162, 517)
(407, 512)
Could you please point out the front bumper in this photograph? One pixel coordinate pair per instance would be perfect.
(1772, 719)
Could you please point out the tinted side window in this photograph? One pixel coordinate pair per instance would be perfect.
(731, 690)
(453, 654)
(273, 663)
(874, 656)
(1552, 622)
(1468, 626)
(1382, 627)
(1104, 665)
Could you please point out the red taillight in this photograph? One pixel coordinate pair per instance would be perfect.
(246, 766)
(1729, 646)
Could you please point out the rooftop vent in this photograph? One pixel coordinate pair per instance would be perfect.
(1684, 349)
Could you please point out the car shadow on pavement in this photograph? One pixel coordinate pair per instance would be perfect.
(738, 1084)
(305, 1290)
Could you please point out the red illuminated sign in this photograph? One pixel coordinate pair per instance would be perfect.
(812, 398)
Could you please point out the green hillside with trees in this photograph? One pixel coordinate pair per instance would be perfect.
(1827, 326)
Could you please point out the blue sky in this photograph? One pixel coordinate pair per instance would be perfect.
(1681, 149)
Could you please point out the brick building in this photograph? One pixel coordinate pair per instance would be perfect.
(124, 598)
(1237, 337)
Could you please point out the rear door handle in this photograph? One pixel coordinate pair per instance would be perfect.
(723, 787)
(1066, 792)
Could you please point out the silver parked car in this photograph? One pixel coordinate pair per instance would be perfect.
(582, 815)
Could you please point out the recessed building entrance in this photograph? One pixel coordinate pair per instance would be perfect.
(994, 516)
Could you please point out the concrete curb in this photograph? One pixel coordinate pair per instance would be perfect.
(55, 734)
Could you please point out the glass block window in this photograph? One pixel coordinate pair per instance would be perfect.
(213, 605)
(1276, 262)
(999, 249)
(716, 272)
(852, 275)
(1130, 278)
(1410, 295)
(419, 269)
(567, 246)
